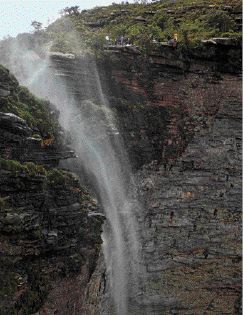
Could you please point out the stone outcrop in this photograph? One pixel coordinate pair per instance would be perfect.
(42, 224)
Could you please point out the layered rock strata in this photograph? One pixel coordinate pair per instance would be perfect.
(50, 229)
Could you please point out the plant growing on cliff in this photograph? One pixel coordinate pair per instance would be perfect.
(56, 177)
(12, 166)
(219, 20)
(38, 111)
(70, 182)
(34, 169)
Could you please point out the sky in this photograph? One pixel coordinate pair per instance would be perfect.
(16, 16)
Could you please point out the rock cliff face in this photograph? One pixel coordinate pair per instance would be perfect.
(50, 229)
(190, 224)
(191, 228)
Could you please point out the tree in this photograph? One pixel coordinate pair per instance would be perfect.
(37, 25)
(219, 20)
(70, 11)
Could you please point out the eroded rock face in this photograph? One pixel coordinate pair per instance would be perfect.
(192, 228)
(191, 225)
(45, 234)
(50, 229)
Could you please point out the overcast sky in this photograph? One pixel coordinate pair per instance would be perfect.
(16, 16)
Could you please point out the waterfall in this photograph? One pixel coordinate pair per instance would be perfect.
(102, 159)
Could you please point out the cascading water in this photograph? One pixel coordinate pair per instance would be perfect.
(101, 157)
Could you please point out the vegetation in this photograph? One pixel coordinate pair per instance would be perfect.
(199, 20)
(74, 31)
(35, 111)
(59, 177)
(28, 167)
(68, 180)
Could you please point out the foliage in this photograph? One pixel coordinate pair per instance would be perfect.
(37, 113)
(219, 20)
(15, 166)
(70, 10)
(11, 165)
(34, 169)
(71, 34)
(69, 181)
(37, 25)
(58, 177)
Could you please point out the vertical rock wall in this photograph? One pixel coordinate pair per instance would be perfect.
(192, 231)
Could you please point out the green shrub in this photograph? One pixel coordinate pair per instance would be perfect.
(37, 112)
(61, 177)
(31, 168)
(55, 177)
(217, 19)
(40, 170)
(5, 105)
(11, 165)
(15, 166)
